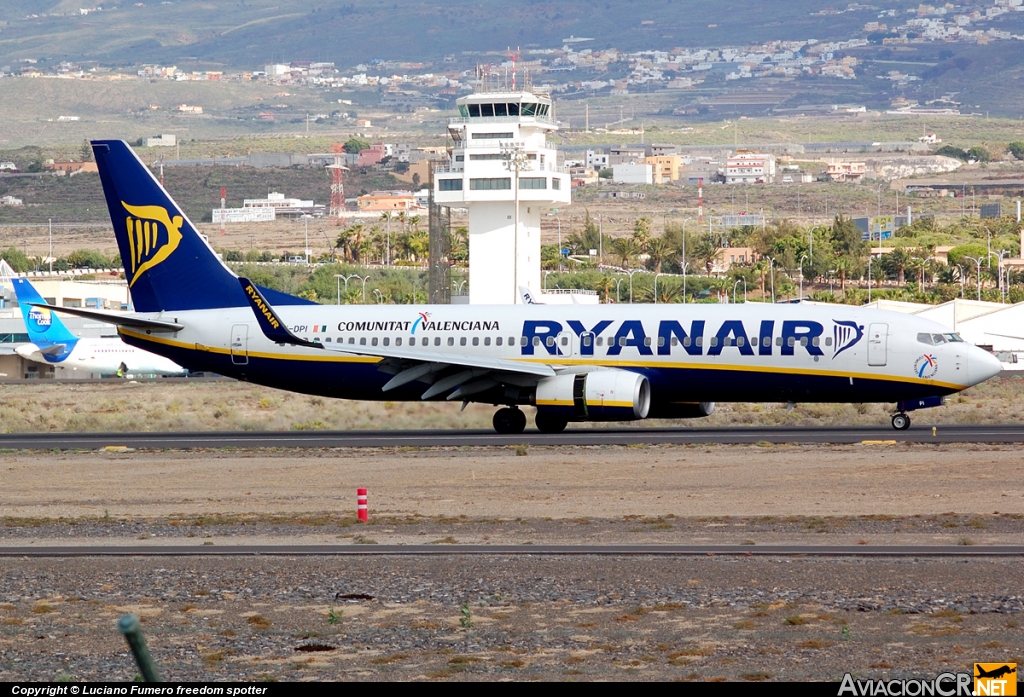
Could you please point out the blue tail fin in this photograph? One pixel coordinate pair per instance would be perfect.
(169, 266)
(44, 327)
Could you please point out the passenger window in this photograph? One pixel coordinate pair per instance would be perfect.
(387, 341)
(451, 341)
(498, 341)
(714, 341)
(588, 340)
(792, 341)
(550, 341)
(523, 341)
(828, 341)
(622, 341)
(462, 341)
(600, 341)
(741, 340)
(816, 341)
(487, 341)
(778, 341)
(647, 341)
(661, 341)
(803, 341)
(362, 341)
(351, 340)
(536, 341)
(327, 339)
(373, 341)
(437, 341)
(699, 340)
(565, 341)
(398, 341)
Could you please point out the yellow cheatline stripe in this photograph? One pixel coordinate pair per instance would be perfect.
(610, 404)
(561, 360)
(555, 403)
(329, 358)
(338, 358)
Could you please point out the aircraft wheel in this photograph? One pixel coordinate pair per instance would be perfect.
(550, 424)
(901, 422)
(509, 420)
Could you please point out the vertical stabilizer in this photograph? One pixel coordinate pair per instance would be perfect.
(44, 328)
(168, 264)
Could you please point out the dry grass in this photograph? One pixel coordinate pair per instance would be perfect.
(229, 406)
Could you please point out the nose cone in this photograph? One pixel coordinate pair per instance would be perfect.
(981, 365)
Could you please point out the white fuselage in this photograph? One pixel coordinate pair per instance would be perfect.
(747, 352)
(106, 357)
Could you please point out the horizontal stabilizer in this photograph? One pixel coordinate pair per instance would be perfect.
(120, 319)
(273, 327)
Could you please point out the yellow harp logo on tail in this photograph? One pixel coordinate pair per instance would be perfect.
(152, 236)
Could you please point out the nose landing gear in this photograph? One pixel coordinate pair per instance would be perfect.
(509, 420)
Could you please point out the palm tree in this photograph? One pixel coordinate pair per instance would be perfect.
(642, 233)
(896, 262)
(419, 244)
(762, 268)
(658, 250)
(385, 218)
(625, 248)
(705, 250)
(605, 286)
(459, 244)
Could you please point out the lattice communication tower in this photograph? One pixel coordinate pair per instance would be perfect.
(337, 182)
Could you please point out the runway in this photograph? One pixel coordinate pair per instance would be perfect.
(878, 435)
(452, 550)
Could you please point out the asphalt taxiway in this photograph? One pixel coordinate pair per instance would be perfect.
(1008, 433)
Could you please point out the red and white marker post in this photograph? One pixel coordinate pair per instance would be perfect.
(362, 508)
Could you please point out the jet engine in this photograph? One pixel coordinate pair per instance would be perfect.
(603, 395)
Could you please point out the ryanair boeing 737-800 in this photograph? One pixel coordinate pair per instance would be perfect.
(573, 363)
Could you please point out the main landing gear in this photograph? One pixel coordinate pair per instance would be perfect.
(509, 420)
(900, 421)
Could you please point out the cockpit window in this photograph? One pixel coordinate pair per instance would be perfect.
(938, 339)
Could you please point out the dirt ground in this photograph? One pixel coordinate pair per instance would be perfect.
(543, 482)
(514, 617)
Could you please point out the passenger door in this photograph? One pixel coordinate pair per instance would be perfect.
(877, 343)
(567, 343)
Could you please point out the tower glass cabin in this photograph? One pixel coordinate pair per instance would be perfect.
(503, 170)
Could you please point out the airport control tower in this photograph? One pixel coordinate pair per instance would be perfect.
(505, 172)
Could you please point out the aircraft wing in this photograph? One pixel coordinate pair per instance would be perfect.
(458, 374)
(121, 319)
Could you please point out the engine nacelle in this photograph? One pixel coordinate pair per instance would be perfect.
(603, 395)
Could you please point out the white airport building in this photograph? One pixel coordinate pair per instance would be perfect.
(503, 170)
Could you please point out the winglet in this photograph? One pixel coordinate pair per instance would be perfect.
(273, 326)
